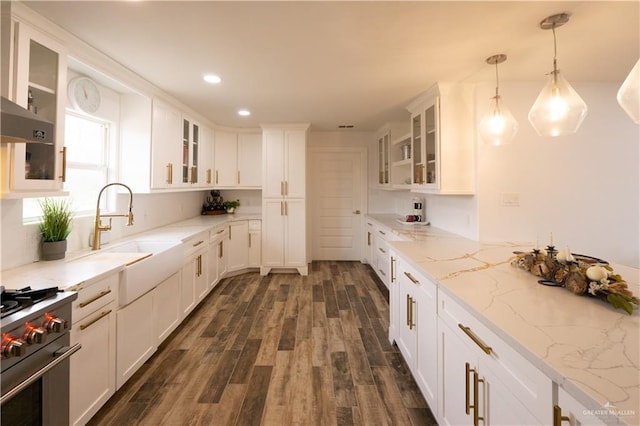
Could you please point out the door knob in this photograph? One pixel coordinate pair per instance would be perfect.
(356, 212)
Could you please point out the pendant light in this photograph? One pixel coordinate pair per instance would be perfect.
(629, 94)
(498, 126)
(558, 110)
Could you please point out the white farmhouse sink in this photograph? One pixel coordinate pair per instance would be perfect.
(142, 275)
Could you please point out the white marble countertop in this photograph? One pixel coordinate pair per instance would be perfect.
(84, 267)
(583, 344)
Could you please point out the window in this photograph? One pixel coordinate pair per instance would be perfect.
(87, 142)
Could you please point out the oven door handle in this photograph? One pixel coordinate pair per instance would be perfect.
(44, 370)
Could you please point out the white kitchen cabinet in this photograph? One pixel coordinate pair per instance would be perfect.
(226, 159)
(284, 162)
(569, 411)
(383, 159)
(238, 244)
(400, 159)
(367, 251)
(205, 169)
(255, 243)
(194, 284)
(238, 160)
(482, 378)
(166, 132)
(216, 264)
(250, 160)
(135, 339)
(442, 140)
(93, 369)
(191, 175)
(284, 239)
(415, 327)
(166, 307)
(39, 83)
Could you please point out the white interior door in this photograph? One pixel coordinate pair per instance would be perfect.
(338, 191)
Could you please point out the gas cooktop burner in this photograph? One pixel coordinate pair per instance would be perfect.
(12, 301)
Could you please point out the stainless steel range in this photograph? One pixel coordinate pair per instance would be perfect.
(35, 351)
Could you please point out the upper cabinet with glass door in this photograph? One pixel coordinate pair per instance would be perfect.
(442, 140)
(39, 81)
(394, 157)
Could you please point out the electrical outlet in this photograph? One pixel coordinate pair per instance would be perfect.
(510, 199)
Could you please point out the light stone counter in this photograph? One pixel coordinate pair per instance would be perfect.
(583, 344)
(84, 267)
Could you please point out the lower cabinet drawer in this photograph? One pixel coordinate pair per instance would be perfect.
(94, 296)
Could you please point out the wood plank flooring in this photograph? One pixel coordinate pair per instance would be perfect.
(278, 350)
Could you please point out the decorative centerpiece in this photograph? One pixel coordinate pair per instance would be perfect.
(213, 204)
(582, 275)
(55, 228)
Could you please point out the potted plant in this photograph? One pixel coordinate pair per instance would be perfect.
(55, 227)
(230, 206)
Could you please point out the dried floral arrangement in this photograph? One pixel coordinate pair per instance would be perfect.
(582, 275)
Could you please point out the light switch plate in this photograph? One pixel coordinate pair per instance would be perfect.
(510, 199)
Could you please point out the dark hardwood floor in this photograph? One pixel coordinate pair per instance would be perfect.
(278, 350)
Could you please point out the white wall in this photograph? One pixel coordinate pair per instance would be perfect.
(583, 188)
(20, 243)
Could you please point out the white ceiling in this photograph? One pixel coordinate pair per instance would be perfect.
(331, 63)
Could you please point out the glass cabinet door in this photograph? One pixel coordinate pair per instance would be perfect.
(195, 138)
(185, 150)
(416, 149)
(40, 78)
(383, 159)
(430, 145)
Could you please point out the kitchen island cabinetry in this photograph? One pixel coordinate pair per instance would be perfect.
(39, 76)
(503, 387)
(415, 325)
(284, 236)
(93, 368)
(442, 140)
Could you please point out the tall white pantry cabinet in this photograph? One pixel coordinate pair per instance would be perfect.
(284, 228)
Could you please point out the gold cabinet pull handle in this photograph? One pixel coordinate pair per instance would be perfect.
(281, 187)
(286, 187)
(90, 301)
(382, 232)
(63, 176)
(467, 370)
(558, 418)
(229, 232)
(382, 250)
(368, 238)
(476, 406)
(208, 175)
(393, 270)
(249, 240)
(382, 272)
(216, 177)
(412, 324)
(197, 244)
(220, 249)
(238, 177)
(286, 209)
(408, 308)
(486, 349)
(281, 208)
(411, 277)
(95, 320)
(169, 173)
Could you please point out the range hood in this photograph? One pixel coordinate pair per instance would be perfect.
(18, 125)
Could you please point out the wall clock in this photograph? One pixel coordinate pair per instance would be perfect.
(84, 94)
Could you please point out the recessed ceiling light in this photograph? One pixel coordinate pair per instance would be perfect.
(244, 112)
(212, 78)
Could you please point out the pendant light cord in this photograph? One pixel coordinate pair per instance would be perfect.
(497, 82)
(555, 54)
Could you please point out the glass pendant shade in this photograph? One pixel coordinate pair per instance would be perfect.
(629, 94)
(498, 126)
(558, 110)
